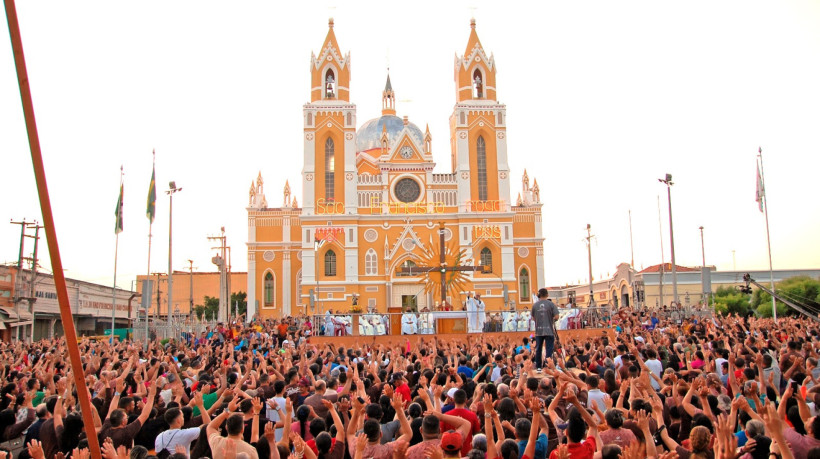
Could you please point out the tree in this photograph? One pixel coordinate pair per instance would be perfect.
(729, 300)
(802, 290)
(208, 311)
(242, 298)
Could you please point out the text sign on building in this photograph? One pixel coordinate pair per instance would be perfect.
(329, 234)
(486, 232)
(397, 207)
(329, 207)
(486, 206)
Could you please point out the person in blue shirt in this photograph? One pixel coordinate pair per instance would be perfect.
(525, 346)
(522, 435)
(463, 368)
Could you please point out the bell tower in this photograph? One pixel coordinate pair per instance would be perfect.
(478, 130)
(329, 173)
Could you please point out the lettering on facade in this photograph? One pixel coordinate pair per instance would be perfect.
(42, 294)
(486, 232)
(101, 305)
(329, 207)
(397, 207)
(329, 234)
(486, 206)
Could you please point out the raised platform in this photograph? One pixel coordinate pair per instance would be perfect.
(348, 341)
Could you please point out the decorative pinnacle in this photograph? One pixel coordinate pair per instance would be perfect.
(330, 23)
(472, 23)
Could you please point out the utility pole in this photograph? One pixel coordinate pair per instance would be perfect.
(702, 265)
(191, 272)
(18, 283)
(32, 297)
(221, 262)
(589, 257)
(158, 293)
(172, 188)
(669, 183)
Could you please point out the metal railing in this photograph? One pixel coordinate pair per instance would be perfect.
(430, 323)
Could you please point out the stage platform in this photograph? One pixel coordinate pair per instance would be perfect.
(395, 340)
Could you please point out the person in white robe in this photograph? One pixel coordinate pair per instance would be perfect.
(510, 319)
(481, 315)
(378, 326)
(329, 329)
(365, 328)
(348, 321)
(408, 324)
(472, 314)
(426, 322)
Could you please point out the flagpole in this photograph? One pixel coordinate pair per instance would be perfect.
(768, 239)
(117, 230)
(148, 272)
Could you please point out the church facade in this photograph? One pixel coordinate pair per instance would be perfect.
(373, 206)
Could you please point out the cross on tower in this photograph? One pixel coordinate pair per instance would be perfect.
(443, 268)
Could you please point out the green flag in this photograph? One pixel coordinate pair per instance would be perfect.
(118, 213)
(152, 197)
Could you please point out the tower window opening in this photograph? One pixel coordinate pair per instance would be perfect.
(481, 160)
(330, 85)
(478, 85)
(330, 167)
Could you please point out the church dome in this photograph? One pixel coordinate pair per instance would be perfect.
(369, 134)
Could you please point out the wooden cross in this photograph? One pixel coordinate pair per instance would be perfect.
(442, 268)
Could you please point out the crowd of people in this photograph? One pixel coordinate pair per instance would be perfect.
(722, 387)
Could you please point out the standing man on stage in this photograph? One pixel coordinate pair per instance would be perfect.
(544, 313)
(471, 313)
(479, 312)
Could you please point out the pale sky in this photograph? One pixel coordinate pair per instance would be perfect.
(603, 98)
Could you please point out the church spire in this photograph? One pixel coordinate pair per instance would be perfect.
(330, 70)
(388, 98)
(475, 71)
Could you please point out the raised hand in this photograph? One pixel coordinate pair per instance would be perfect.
(35, 450)
(257, 405)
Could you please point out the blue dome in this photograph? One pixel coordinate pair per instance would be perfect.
(369, 134)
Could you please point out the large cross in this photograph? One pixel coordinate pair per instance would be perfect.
(442, 268)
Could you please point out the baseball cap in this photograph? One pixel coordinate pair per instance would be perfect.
(451, 441)
(304, 382)
(451, 392)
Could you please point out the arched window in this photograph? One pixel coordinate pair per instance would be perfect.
(330, 85)
(330, 166)
(524, 284)
(407, 264)
(330, 263)
(486, 258)
(481, 159)
(370, 266)
(269, 292)
(478, 85)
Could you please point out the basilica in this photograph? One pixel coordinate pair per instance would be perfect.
(379, 228)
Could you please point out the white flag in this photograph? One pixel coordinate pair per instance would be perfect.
(759, 192)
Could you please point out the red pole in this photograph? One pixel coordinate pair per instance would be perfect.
(51, 232)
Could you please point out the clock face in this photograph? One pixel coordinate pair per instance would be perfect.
(407, 190)
(406, 152)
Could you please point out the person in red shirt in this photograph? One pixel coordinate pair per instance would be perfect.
(461, 410)
(401, 387)
(578, 421)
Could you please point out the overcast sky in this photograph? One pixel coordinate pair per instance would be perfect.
(603, 99)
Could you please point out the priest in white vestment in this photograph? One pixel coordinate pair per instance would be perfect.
(408, 324)
(481, 315)
(472, 314)
(329, 329)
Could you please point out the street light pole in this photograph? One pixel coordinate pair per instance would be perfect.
(191, 272)
(669, 183)
(589, 258)
(702, 266)
(172, 189)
